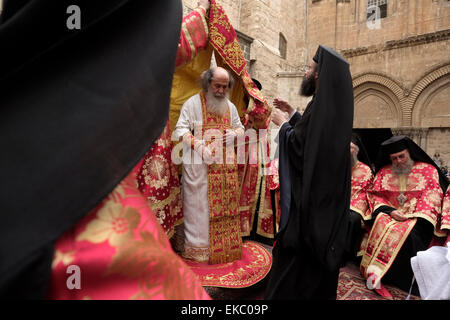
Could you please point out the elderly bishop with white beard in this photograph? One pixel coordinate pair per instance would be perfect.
(209, 125)
(405, 200)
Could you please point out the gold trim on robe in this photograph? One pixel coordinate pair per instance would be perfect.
(383, 245)
(362, 179)
(225, 242)
(445, 217)
(443, 228)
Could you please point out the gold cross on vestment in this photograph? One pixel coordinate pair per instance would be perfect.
(401, 199)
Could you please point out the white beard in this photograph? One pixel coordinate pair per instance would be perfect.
(403, 170)
(217, 105)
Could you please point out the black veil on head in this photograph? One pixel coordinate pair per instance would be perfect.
(363, 156)
(371, 139)
(79, 109)
(399, 143)
(257, 83)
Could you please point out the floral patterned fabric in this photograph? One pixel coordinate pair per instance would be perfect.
(121, 252)
(362, 179)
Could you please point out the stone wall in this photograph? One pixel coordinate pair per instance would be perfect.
(439, 141)
(263, 21)
(400, 64)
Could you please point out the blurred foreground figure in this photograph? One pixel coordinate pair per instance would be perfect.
(78, 113)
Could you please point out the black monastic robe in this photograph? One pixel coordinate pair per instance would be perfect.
(312, 239)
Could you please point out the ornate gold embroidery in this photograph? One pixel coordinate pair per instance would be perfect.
(385, 241)
(156, 171)
(196, 253)
(157, 205)
(224, 224)
(244, 276)
(230, 52)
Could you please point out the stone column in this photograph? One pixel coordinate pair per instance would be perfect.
(418, 135)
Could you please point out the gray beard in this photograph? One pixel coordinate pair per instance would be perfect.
(216, 105)
(403, 170)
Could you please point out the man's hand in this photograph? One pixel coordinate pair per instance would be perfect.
(283, 105)
(204, 3)
(229, 137)
(396, 215)
(206, 153)
(278, 117)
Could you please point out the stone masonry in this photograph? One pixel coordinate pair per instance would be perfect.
(400, 63)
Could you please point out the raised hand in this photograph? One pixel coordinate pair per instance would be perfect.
(282, 105)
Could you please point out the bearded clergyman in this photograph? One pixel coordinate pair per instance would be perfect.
(362, 179)
(209, 125)
(315, 183)
(406, 203)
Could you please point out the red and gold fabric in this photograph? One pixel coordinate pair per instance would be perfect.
(229, 55)
(252, 268)
(274, 185)
(445, 216)
(158, 177)
(417, 195)
(384, 243)
(193, 38)
(158, 181)
(257, 181)
(121, 253)
(224, 39)
(444, 221)
(362, 179)
(225, 242)
(255, 114)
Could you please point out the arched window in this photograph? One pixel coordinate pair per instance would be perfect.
(283, 46)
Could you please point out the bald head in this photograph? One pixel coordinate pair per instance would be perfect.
(218, 80)
(220, 74)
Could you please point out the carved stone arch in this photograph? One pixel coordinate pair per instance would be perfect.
(377, 102)
(427, 90)
(380, 79)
